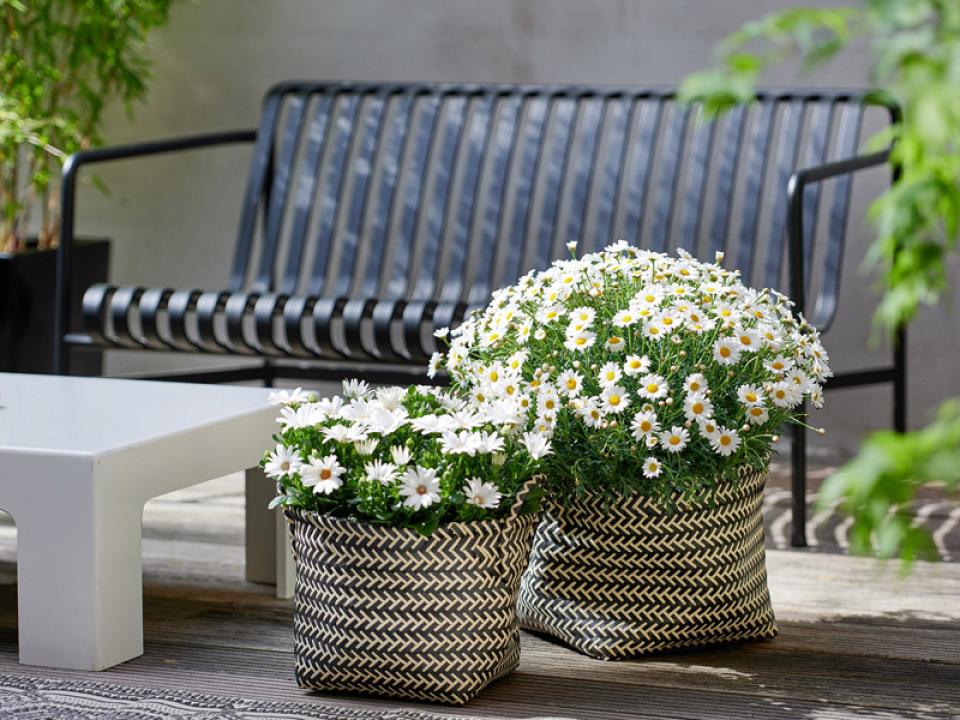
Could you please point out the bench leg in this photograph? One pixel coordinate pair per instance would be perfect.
(268, 551)
(79, 583)
(798, 484)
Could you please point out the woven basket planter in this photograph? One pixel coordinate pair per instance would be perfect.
(385, 611)
(636, 580)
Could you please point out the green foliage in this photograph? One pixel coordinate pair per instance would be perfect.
(61, 62)
(915, 46)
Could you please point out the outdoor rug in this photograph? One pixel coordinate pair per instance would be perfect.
(35, 698)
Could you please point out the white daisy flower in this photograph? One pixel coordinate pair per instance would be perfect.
(536, 444)
(785, 394)
(645, 424)
(436, 362)
(550, 313)
(725, 442)
(489, 443)
(615, 399)
(420, 487)
(615, 343)
(355, 389)
(583, 314)
(625, 318)
(590, 413)
(400, 455)
(366, 447)
(726, 351)
(382, 472)
(800, 379)
(708, 428)
(570, 383)
(464, 442)
(750, 395)
(816, 396)
(778, 364)
(749, 339)
(304, 416)
(482, 494)
(609, 374)
(757, 415)
(322, 474)
(675, 439)
(282, 461)
(652, 467)
(695, 383)
(697, 406)
(635, 365)
(581, 341)
(289, 397)
(652, 386)
(652, 331)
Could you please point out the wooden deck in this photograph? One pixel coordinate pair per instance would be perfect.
(855, 642)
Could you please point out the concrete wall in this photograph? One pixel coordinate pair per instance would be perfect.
(173, 218)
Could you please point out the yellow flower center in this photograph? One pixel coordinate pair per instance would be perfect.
(421, 489)
(756, 412)
(674, 439)
(571, 384)
(652, 388)
(494, 376)
(724, 351)
(697, 408)
(325, 474)
(581, 341)
(751, 397)
(614, 400)
(725, 440)
(646, 426)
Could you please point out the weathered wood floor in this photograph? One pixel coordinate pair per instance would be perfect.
(855, 642)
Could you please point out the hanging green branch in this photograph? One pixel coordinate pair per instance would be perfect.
(915, 50)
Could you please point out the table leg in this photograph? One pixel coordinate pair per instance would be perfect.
(269, 556)
(79, 582)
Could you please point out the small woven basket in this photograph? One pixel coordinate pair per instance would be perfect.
(635, 579)
(382, 610)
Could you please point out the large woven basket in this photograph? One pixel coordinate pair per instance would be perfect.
(385, 611)
(633, 579)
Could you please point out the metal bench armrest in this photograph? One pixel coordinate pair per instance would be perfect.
(68, 192)
(795, 187)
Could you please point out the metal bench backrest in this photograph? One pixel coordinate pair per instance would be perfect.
(437, 192)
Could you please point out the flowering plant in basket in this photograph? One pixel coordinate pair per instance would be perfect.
(653, 374)
(416, 457)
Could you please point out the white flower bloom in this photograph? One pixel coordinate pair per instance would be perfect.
(482, 494)
(644, 425)
(536, 444)
(675, 439)
(757, 415)
(615, 399)
(726, 351)
(441, 333)
(695, 383)
(382, 472)
(464, 442)
(652, 331)
(785, 394)
(344, 433)
(436, 362)
(625, 318)
(330, 408)
(750, 395)
(697, 406)
(355, 389)
(581, 341)
(635, 365)
(570, 383)
(282, 461)
(584, 315)
(725, 442)
(420, 487)
(591, 413)
(322, 474)
(749, 339)
(708, 428)
(400, 455)
(615, 343)
(550, 313)
(489, 443)
(291, 397)
(548, 401)
(652, 386)
(383, 421)
(431, 424)
(652, 467)
(778, 364)
(366, 447)
(609, 374)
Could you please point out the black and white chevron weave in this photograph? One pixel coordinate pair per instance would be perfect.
(385, 611)
(633, 579)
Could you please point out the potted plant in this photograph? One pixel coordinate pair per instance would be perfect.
(663, 382)
(61, 62)
(411, 514)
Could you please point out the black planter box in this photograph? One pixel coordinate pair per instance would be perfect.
(27, 289)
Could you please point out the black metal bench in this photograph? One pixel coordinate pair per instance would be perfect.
(375, 213)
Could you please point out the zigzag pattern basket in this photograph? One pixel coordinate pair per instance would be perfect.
(385, 611)
(635, 580)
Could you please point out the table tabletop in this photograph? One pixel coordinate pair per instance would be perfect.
(95, 416)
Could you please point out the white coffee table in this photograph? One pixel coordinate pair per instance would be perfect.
(79, 457)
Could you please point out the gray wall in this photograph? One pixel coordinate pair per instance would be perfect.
(173, 219)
